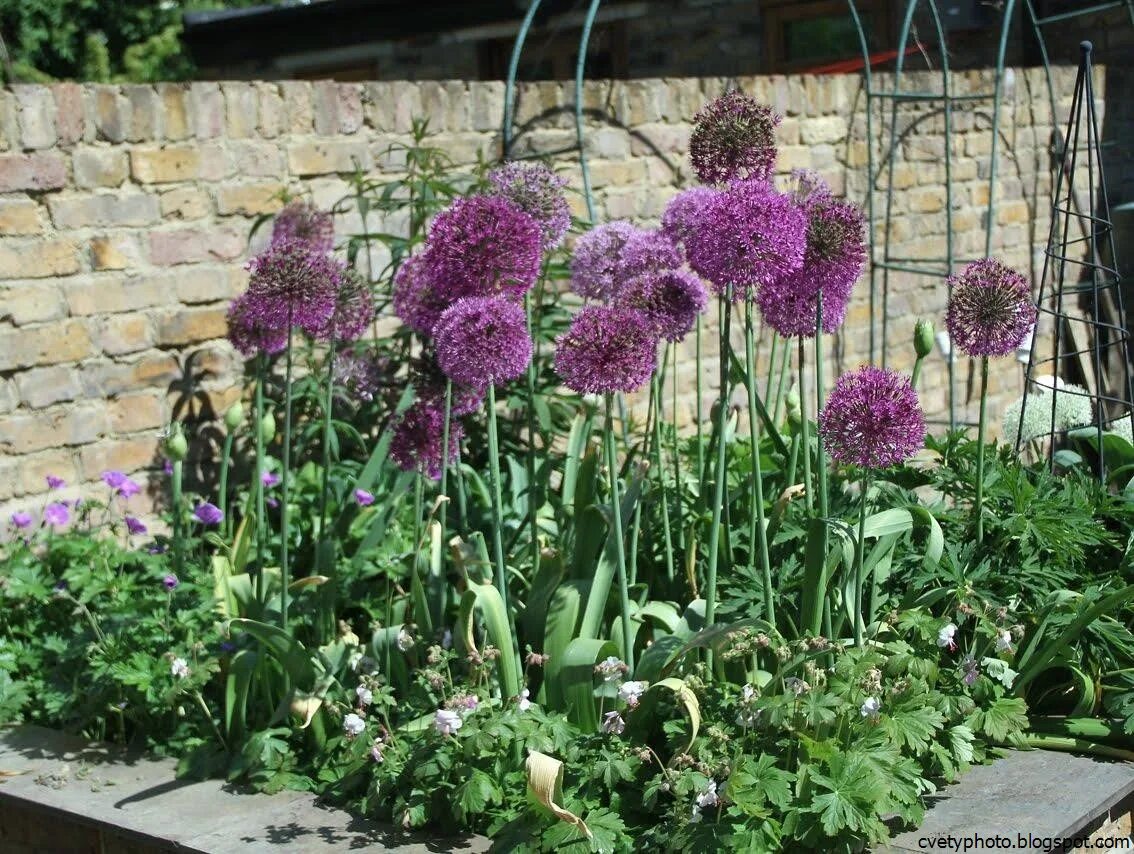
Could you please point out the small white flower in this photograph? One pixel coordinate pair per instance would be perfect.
(796, 686)
(610, 669)
(355, 660)
(748, 692)
(405, 640)
(446, 722)
(945, 636)
(376, 752)
(1004, 641)
(525, 703)
(179, 668)
(707, 798)
(612, 723)
(631, 692)
(353, 725)
(871, 706)
(365, 695)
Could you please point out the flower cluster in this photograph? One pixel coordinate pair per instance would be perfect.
(482, 340)
(872, 419)
(418, 437)
(608, 348)
(304, 223)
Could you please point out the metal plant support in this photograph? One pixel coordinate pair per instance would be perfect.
(1080, 295)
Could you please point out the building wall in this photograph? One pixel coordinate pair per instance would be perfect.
(125, 213)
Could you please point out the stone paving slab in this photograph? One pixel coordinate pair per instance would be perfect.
(139, 797)
(1039, 794)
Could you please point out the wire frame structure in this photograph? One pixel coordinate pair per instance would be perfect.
(1079, 301)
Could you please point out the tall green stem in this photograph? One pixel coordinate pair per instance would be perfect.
(533, 493)
(222, 486)
(619, 548)
(720, 473)
(757, 530)
(664, 498)
(497, 513)
(444, 509)
(700, 422)
(979, 508)
(677, 459)
(859, 550)
(258, 481)
(328, 406)
(781, 383)
(804, 431)
(285, 477)
(175, 489)
(820, 456)
(916, 374)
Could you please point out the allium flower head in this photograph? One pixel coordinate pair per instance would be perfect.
(418, 436)
(671, 300)
(429, 382)
(872, 419)
(20, 519)
(684, 211)
(303, 222)
(291, 285)
(354, 309)
(56, 514)
(734, 138)
(208, 514)
(990, 309)
(483, 340)
(606, 349)
(483, 246)
(416, 299)
(538, 192)
(749, 235)
(607, 258)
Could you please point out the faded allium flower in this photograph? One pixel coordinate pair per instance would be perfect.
(353, 725)
(54, 482)
(362, 374)
(684, 211)
(250, 337)
(606, 349)
(612, 722)
(303, 222)
(354, 309)
(179, 668)
(538, 192)
(483, 246)
(135, 526)
(208, 514)
(872, 419)
(56, 514)
(364, 695)
(734, 137)
(612, 255)
(671, 301)
(416, 299)
(447, 722)
(170, 582)
(946, 635)
(990, 309)
(120, 483)
(631, 693)
(20, 519)
(418, 436)
(291, 286)
(364, 498)
(482, 341)
(748, 236)
(871, 707)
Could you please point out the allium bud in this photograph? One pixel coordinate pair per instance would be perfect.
(267, 428)
(923, 338)
(176, 447)
(794, 407)
(234, 417)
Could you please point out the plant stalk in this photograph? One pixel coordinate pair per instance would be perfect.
(979, 507)
(757, 529)
(619, 546)
(720, 472)
(497, 512)
(859, 552)
(285, 477)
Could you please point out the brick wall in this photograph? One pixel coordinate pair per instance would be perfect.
(125, 210)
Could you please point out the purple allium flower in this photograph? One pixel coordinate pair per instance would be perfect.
(56, 514)
(645, 253)
(872, 419)
(749, 235)
(20, 519)
(483, 246)
(606, 349)
(483, 340)
(416, 299)
(364, 498)
(670, 300)
(303, 222)
(418, 436)
(354, 309)
(734, 138)
(269, 479)
(538, 192)
(684, 212)
(362, 374)
(135, 526)
(121, 484)
(990, 309)
(614, 254)
(170, 582)
(54, 482)
(249, 337)
(429, 382)
(208, 514)
(292, 286)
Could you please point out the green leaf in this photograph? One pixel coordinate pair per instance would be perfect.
(1004, 718)
(476, 793)
(912, 726)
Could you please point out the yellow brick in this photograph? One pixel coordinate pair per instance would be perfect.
(163, 165)
(249, 199)
(19, 216)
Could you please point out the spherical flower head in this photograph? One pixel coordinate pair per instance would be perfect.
(447, 722)
(170, 582)
(684, 211)
(645, 253)
(208, 514)
(302, 222)
(54, 482)
(1053, 410)
(364, 498)
(537, 191)
(354, 309)
(429, 381)
(250, 337)
(416, 299)
(671, 300)
(418, 436)
(292, 286)
(734, 138)
(362, 374)
(595, 265)
(135, 526)
(484, 246)
(872, 419)
(483, 340)
(607, 349)
(990, 309)
(748, 236)
(56, 514)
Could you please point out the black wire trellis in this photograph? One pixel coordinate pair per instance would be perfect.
(1080, 296)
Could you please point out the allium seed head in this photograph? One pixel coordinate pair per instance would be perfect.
(539, 193)
(990, 309)
(671, 301)
(291, 285)
(303, 222)
(418, 436)
(607, 349)
(872, 419)
(483, 340)
(734, 138)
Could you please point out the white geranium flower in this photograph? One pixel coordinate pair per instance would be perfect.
(1004, 641)
(353, 725)
(179, 668)
(365, 695)
(447, 722)
(525, 703)
(612, 723)
(871, 706)
(405, 640)
(631, 692)
(945, 636)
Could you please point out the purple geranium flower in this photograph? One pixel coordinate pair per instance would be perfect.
(303, 222)
(990, 309)
(872, 419)
(170, 582)
(538, 192)
(292, 286)
(364, 498)
(671, 300)
(208, 514)
(20, 519)
(135, 526)
(483, 340)
(607, 349)
(121, 484)
(56, 514)
(418, 436)
(734, 138)
(269, 479)
(54, 482)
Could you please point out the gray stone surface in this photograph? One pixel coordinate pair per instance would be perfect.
(98, 785)
(1038, 794)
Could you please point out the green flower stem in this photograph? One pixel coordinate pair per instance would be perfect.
(758, 531)
(804, 432)
(700, 421)
(285, 477)
(667, 536)
(258, 480)
(859, 550)
(445, 456)
(720, 471)
(619, 549)
(328, 406)
(533, 496)
(677, 458)
(916, 374)
(175, 501)
(497, 512)
(979, 507)
(771, 367)
(222, 487)
(781, 383)
(820, 455)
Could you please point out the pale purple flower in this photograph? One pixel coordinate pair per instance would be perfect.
(447, 722)
(734, 138)
(670, 300)
(54, 482)
(364, 498)
(364, 695)
(524, 703)
(418, 436)
(208, 514)
(56, 514)
(990, 309)
(291, 286)
(612, 722)
(611, 669)
(464, 703)
(170, 582)
(872, 419)
(538, 192)
(135, 526)
(179, 668)
(482, 341)
(1004, 641)
(269, 479)
(606, 349)
(416, 299)
(167, 466)
(631, 693)
(353, 725)
(20, 519)
(120, 483)
(748, 236)
(376, 752)
(354, 309)
(684, 212)
(250, 337)
(970, 670)
(608, 258)
(302, 222)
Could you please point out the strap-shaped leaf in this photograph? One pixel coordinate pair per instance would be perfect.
(685, 697)
(545, 787)
(485, 600)
(577, 679)
(291, 654)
